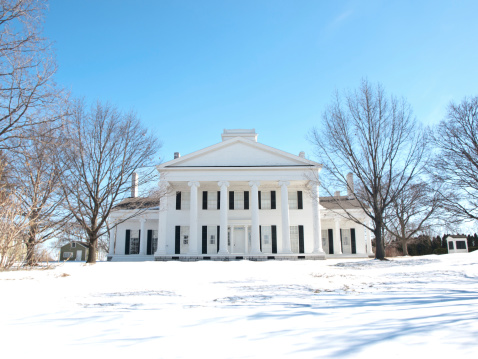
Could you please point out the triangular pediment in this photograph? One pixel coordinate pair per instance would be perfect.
(238, 152)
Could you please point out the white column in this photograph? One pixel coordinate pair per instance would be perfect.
(337, 246)
(142, 237)
(193, 218)
(223, 217)
(162, 224)
(284, 194)
(246, 240)
(317, 227)
(368, 238)
(111, 249)
(255, 240)
(232, 239)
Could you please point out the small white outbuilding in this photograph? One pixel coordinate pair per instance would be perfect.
(457, 244)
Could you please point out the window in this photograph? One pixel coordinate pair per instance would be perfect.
(212, 200)
(450, 245)
(185, 199)
(346, 237)
(73, 245)
(293, 202)
(67, 255)
(265, 200)
(184, 238)
(154, 241)
(212, 237)
(325, 239)
(266, 237)
(460, 245)
(238, 200)
(134, 242)
(294, 238)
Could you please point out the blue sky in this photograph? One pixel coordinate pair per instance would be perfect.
(192, 68)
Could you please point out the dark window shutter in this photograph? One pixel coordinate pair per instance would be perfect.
(300, 204)
(204, 239)
(301, 239)
(178, 200)
(246, 199)
(204, 199)
(177, 240)
(259, 195)
(352, 238)
(126, 242)
(331, 241)
(218, 199)
(231, 199)
(260, 237)
(218, 236)
(149, 249)
(273, 199)
(274, 239)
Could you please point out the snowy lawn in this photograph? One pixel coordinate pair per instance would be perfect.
(407, 307)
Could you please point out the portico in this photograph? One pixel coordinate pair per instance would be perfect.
(228, 218)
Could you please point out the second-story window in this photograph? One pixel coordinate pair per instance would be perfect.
(238, 200)
(182, 200)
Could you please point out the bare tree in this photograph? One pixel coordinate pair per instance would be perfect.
(27, 66)
(376, 138)
(12, 222)
(35, 174)
(105, 147)
(457, 160)
(414, 211)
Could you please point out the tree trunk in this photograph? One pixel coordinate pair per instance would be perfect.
(379, 249)
(31, 242)
(404, 248)
(30, 256)
(92, 250)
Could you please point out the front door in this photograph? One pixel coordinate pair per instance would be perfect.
(78, 256)
(239, 240)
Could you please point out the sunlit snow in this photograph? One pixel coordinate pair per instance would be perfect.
(358, 308)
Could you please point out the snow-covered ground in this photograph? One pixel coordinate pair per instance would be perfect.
(407, 307)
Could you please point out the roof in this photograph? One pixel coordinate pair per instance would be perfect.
(138, 203)
(84, 244)
(341, 202)
(238, 152)
(456, 236)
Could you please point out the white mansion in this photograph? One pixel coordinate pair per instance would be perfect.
(239, 199)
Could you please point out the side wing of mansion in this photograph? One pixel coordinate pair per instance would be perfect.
(238, 199)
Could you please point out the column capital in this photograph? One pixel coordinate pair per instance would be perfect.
(313, 184)
(254, 183)
(194, 183)
(284, 183)
(162, 183)
(223, 183)
(142, 220)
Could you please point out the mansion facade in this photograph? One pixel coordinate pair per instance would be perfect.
(238, 199)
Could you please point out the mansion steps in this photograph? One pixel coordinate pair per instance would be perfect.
(238, 199)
